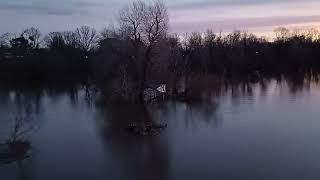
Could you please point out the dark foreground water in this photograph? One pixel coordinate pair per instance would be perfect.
(264, 131)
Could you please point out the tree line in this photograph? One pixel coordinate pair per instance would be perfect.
(141, 53)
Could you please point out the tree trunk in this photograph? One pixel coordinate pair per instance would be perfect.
(144, 71)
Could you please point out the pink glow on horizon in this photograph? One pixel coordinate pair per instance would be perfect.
(260, 19)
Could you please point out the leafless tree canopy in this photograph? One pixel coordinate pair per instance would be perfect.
(144, 22)
(69, 38)
(131, 18)
(108, 33)
(155, 22)
(140, 53)
(54, 40)
(145, 25)
(33, 35)
(282, 33)
(87, 38)
(5, 39)
(61, 40)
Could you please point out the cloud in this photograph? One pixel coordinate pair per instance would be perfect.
(216, 3)
(67, 7)
(185, 15)
(194, 4)
(243, 23)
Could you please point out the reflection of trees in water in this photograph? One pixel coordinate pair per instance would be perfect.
(20, 129)
(295, 85)
(73, 96)
(19, 170)
(76, 93)
(263, 84)
(31, 98)
(146, 157)
(21, 106)
(16, 149)
(239, 92)
(195, 113)
(19, 110)
(140, 157)
(206, 111)
(4, 97)
(26, 169)
(28, 102)
(21, 103)
(292, 85)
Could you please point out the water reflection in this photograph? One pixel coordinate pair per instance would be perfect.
(19, 170)
(193, 114)
(140, 157)
(16, 149)
(238, 129)
(27, 102)
(73, 95)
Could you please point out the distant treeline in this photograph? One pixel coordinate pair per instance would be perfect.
(141, 53)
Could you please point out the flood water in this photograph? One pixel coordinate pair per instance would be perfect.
(260, 131)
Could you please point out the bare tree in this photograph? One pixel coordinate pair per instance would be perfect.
(59, 40)
(22, 128)
(195, 40)
(282, 34)
(146, 25)
(33, 35)
(70, 39)
(131, 18)
(155, 23)
(5, 40)
(108, 33)
(87, 38)
(54, 40)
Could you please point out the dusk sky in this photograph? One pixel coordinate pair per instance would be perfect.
(257, 16)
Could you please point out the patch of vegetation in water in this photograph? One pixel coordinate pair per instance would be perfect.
(12, 151)
(145, 129)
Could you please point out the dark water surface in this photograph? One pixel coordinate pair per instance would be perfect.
(264, 131)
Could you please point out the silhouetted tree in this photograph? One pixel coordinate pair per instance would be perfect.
(61, 40)
(282, 34)
(140, 54)
(20, 46)
(33, 35)
(87, 38)
(145, 25)
(5, 40)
